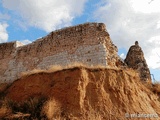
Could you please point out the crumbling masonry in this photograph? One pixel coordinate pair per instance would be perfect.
(87, 43)
(135, 59)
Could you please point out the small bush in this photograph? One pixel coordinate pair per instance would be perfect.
(33, 106)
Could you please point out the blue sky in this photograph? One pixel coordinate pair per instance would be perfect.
(127, 22)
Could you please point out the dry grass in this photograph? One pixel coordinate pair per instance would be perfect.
(30, 109)
(55, 68)
(4, 108)
(31, 72)
(154, 88)
(4, 111)
(17, 116)
(52, 109)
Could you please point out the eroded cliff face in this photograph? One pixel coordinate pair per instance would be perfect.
(135, 59)
(88, 93)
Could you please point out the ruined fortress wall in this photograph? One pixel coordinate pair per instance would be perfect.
(87, 43)
(6, 54)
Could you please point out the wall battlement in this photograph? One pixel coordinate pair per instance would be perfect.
(87, 43)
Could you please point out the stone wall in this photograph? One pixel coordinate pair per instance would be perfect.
(86, 43)
(7, 54)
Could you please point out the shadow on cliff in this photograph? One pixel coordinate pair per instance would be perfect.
(79, 93)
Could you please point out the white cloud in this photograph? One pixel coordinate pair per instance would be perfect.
(46, 14)
(25, 42)
(123, 56)
(145, 6)
(3, 32)
(154, 58)
(130, 21)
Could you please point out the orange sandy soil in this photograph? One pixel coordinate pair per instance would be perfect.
(83, 93)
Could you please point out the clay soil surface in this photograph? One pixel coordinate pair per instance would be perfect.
(82, 93)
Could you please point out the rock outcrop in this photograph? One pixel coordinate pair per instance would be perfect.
(135, 59)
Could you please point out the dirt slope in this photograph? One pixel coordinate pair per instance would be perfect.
(83, 93)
